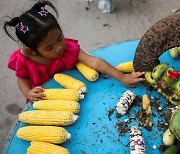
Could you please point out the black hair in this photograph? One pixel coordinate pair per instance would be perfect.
(38, 25)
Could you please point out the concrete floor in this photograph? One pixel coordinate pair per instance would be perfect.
(81, 21)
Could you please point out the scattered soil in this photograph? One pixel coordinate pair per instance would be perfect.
(141, 116)
(144, 119)
(118, 115)
(122, 128)
(155, 104)
(162, 126)
(110, 112)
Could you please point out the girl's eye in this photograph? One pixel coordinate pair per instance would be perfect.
(50, 48)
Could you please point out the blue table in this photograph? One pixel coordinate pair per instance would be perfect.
(94, 133)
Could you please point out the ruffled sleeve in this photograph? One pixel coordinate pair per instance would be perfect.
(71, 53)
(18, 64)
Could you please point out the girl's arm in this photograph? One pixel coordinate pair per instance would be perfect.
(104, 67)
(28, 92)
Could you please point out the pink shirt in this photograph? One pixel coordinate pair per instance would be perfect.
(38, 73)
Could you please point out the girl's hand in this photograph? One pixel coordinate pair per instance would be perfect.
(34, 95)
(130, 79)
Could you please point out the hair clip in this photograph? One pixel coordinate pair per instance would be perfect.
(21, 27)
(43, 12)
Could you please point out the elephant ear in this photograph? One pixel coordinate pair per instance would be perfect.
(161, 37)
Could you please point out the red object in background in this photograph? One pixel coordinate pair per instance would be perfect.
(174, 75)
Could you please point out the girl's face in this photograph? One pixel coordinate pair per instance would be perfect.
(53, 44)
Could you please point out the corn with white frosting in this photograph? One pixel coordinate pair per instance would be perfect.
(137, 144)
(125, 101)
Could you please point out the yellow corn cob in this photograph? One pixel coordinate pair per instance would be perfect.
(51, 134)
(70, 82)
(147, 120)
(89, 73)
(64, 94)
(146, 104)
(37, 147)
(126, 67)
(44, 117)
(59, 105)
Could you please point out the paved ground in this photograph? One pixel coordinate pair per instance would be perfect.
(84, 22)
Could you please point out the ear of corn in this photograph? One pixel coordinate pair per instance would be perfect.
(50, 134)
(70, 82)
(145, 118)
(89, 73)
(126, 67)
(125, 101)
(37, 147)
(64, 94)
(59, 105)
(44, 117)
(146, 104)
(137, 144)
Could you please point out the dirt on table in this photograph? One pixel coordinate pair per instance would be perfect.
(110, 112)
(123, 126)
(144, 119)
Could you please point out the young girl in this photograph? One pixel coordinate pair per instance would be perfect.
(45, 52)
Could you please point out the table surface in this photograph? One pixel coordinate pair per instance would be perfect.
(94, 132)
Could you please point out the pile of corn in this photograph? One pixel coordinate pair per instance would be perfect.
(59, 108)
